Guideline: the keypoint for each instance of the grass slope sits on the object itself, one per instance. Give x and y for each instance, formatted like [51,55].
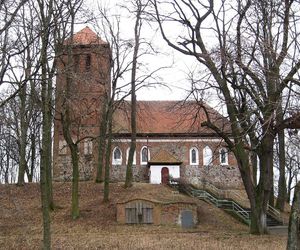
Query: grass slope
[21,224]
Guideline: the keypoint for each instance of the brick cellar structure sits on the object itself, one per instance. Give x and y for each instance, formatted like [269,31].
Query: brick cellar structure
[170,138]
[156,212]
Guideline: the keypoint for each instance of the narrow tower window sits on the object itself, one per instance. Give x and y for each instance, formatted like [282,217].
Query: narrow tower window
[88,62]
[76,62]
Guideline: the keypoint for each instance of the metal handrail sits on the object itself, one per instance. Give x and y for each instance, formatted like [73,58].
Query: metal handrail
[275,213]
[219,203]
[235,207]
[271,210]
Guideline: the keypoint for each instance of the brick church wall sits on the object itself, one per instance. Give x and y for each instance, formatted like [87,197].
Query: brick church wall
[90,82]
[222,176]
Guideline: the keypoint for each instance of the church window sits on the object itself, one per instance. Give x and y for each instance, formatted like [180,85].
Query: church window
[127,156]
[207,156]
[88,62]
[88,147]
[145,155]
[194,156]
[117,156]
[223,156]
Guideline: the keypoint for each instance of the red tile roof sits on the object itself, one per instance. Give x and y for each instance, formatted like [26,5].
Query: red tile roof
[168,117]
[86,37]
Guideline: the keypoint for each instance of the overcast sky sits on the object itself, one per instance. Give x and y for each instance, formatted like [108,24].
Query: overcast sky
[175,76]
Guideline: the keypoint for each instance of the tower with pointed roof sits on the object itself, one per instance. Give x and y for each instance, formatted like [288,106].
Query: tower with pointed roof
[85,60]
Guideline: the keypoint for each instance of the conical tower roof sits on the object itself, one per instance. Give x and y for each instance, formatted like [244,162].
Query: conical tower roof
[86,37]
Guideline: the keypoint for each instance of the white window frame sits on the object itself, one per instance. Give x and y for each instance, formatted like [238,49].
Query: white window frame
[62,147]
[141,156]
[116,161]
[226,156]
[87,147]
[127,156]
[206,161]
[197,156]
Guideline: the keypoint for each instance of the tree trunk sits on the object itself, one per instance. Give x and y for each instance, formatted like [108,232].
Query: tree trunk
[128,180]
[272,195]
[257,204]
[281,182]
[67,124]
[45,191]
[137,32]
[293,242]
[23,136]
[49,135]
[46,124]
[45,164]
[258,194]
[107,155]
[33,155]
[264,187]
[75,180]
[289,186]
[102,140]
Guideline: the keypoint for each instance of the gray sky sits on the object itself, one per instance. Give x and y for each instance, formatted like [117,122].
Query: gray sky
[175,77]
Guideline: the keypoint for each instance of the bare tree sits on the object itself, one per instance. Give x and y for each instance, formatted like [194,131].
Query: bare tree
[293,242]
[46,11]
[292,162]
[9,149]
[121,49]
[247,61]
[139,7]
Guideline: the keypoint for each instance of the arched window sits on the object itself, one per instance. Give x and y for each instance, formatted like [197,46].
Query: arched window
[117,156]
[134,156]
[88,62]
[194,156]
[87,147]
[223,156]
[207,156]
[145,155]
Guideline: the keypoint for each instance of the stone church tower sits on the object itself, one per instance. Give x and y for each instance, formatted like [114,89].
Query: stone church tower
[89,72]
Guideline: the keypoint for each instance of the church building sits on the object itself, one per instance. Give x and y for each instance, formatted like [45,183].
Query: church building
[170,139]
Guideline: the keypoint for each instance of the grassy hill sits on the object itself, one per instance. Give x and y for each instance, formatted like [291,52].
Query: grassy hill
[21,222]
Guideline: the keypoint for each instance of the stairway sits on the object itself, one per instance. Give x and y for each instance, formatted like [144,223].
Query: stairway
[230,206]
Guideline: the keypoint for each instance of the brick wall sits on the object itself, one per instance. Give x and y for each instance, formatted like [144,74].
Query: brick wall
[163,214]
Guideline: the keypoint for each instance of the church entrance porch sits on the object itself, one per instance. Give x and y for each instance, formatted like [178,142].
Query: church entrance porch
[163,166]
[159,174]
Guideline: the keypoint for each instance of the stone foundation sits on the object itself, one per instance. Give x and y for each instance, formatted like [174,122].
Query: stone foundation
[223,177]
[140,173]
[64,166]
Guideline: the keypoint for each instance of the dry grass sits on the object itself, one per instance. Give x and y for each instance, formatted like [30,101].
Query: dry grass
[21,225]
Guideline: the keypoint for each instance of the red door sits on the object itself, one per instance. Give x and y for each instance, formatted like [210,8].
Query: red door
[164,175]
